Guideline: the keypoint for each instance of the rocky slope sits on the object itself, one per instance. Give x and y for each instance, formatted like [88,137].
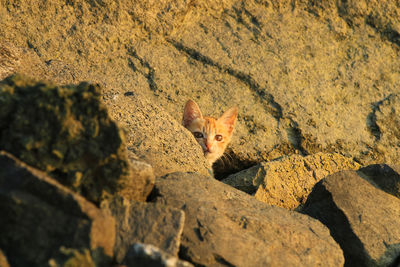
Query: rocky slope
[306,76]
[317,87]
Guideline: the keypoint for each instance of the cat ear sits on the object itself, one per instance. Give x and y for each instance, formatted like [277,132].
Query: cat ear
[229,118]
[191,112]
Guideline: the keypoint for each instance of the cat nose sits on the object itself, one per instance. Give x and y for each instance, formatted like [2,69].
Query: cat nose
[208,146]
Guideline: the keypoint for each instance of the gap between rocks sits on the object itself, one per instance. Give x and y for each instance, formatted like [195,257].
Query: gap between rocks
[345,235]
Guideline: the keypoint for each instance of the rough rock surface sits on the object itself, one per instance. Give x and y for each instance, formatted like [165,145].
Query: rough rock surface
[385,177]
[226,227]
[287,182]
[35,209]
[140,254]
[307,76]
[66,132]
[364,220]
[155,137]
[149,223]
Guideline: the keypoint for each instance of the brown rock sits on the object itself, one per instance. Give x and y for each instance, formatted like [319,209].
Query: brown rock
[40,216]
[226,227]
[142,177]
[288,181]
[364,220]
[149,223]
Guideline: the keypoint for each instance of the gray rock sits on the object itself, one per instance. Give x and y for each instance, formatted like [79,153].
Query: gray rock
[226,227]
[149,223]
[288,181]
[364,220]
[140,254]
[39,217]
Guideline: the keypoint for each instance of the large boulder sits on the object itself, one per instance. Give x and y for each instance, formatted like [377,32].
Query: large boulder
[226,227]
[149,223]
[288,181]
[307,77]
[66,132]
[363,219]
[41,219]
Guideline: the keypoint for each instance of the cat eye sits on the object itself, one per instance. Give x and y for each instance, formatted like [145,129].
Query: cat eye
[198,134]
[218,137]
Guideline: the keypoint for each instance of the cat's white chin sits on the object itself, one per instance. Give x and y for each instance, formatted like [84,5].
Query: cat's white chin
[211,157]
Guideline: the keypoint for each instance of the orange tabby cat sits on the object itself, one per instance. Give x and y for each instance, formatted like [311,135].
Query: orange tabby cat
[213,135]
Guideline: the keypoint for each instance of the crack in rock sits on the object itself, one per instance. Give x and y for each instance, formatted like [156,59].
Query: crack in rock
[145,69]
[271,107]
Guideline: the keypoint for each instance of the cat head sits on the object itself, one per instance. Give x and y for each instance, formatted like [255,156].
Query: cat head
[213,135]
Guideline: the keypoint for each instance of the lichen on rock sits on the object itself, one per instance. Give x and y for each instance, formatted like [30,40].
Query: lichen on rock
[66,132]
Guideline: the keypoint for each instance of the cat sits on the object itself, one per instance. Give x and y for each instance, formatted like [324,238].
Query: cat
[212,134]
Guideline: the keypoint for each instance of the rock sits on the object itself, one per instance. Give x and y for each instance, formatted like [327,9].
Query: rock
[226,227]
[288,181]
[149,223]
[156,138]
[270,59]
[66,132]
[150,256]
[39,216]
[142,177]
[247,180]
[364,220]
[385,177]
[3,260]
